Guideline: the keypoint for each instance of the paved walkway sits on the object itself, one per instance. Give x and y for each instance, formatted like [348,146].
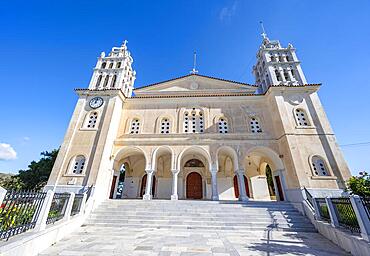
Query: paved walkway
[99,241]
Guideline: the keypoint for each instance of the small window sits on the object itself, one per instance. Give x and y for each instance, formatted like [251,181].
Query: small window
[106,81]
[165,126]
[278,77]
[319,167]
[92,119]
[287,58]
[98,81]
[118,64]
[301,117]
[114,81]
[111,65]
[255,125]
[78,164]
[286,75]
[103,65]
[135,126]
[223,126]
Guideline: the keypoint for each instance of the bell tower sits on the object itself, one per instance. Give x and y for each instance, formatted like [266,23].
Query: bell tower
[114,71]
[277,65]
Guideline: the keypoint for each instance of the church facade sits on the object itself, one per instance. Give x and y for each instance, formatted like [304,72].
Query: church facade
[200,137]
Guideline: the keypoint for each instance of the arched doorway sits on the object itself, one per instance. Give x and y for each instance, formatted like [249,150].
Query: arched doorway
[143,185]
[194,186]
[236,186]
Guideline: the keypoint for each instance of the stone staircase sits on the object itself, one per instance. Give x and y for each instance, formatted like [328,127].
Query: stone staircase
[184,227]
[200,215]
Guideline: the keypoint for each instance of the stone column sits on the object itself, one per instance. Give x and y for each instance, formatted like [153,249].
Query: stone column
[214,184]
[242,192]
[148,188]
[174,195]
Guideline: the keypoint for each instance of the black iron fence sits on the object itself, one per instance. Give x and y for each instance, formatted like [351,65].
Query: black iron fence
[345,213]
[58,207]
[323,209]
[19,212]
[77,202]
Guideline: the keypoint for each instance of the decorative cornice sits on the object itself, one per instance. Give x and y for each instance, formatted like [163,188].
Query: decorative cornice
[210,77]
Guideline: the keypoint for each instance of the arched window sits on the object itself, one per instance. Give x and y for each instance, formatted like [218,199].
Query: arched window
[287,57]
[301,117]
[98,81]
[277,74]
[114,81]
[194,163]
[135,126]
[319,166]
[118,64]
[255,125]
[106,81]
[186,122]
[111,65]
[165,125]
[77,164]
[92,119]
[286,75]
[223,126]
[193,121]
[103,65]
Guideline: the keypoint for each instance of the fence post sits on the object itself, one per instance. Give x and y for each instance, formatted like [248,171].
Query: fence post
[41,221]
[332,213]
[83,204]
[2,194]
[316,206]
[67,213]
[362,217]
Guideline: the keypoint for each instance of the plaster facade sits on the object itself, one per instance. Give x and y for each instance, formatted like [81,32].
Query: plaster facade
[261,141]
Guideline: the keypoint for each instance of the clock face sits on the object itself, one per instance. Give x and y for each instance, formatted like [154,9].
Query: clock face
[96,102]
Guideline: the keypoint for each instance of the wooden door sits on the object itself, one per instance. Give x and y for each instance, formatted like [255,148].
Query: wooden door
[236,186]
[113,186]
[143,185]
[194,186]
[280,188]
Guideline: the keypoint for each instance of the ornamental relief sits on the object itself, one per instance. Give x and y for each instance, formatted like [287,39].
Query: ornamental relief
[295,99]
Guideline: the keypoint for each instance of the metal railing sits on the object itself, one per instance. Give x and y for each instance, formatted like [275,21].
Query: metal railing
[58,207]
[366,203]
[309,197]
[345,213]
[19,212]
[323,209]
[77,202]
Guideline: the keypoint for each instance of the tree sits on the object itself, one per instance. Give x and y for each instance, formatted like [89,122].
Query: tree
[360,185]
[36,176]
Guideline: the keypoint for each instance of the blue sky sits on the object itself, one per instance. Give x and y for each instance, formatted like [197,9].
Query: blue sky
[48,48]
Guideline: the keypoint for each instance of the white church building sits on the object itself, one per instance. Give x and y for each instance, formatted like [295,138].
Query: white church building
[200,137]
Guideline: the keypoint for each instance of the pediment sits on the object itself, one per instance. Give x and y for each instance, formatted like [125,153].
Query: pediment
[195,84]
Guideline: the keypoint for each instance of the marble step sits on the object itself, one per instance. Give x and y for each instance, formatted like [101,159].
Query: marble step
[196,222]
[209,227]
[207,218]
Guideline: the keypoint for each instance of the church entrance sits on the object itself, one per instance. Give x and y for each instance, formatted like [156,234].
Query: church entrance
[194,186]
[236,186]
[143,185]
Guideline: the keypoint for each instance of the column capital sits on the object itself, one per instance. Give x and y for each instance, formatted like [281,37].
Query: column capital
[175,171]
[240,171]
[149,171]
